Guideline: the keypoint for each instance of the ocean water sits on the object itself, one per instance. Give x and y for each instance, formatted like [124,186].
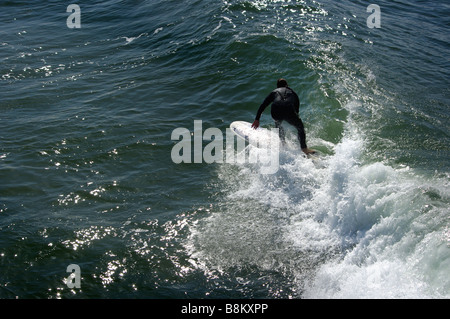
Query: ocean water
[87,177]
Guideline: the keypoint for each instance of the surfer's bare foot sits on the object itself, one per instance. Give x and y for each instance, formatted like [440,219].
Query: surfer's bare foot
[308,151]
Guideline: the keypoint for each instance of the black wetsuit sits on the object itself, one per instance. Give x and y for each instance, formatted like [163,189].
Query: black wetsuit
[285,107]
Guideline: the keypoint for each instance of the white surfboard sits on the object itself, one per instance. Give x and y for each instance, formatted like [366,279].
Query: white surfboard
[261,137]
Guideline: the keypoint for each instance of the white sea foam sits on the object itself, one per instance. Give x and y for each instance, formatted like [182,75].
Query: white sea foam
[344,229]
[388,229]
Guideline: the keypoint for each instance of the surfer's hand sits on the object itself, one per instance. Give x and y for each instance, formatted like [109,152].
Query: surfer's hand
[255,124]
[308,151]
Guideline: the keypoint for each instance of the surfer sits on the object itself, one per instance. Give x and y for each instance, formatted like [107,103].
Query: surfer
[285,107]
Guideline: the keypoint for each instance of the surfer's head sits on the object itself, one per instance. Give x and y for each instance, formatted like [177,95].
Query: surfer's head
[281,83]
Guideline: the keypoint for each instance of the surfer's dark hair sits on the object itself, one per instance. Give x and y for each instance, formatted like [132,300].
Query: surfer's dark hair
[281,83]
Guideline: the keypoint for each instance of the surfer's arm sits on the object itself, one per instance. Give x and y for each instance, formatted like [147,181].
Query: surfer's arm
[269,99]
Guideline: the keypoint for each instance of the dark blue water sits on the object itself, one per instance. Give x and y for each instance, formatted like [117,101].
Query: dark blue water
[87,177]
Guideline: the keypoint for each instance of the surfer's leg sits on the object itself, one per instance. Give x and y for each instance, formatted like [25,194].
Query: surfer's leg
[298,124]
[281,132]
